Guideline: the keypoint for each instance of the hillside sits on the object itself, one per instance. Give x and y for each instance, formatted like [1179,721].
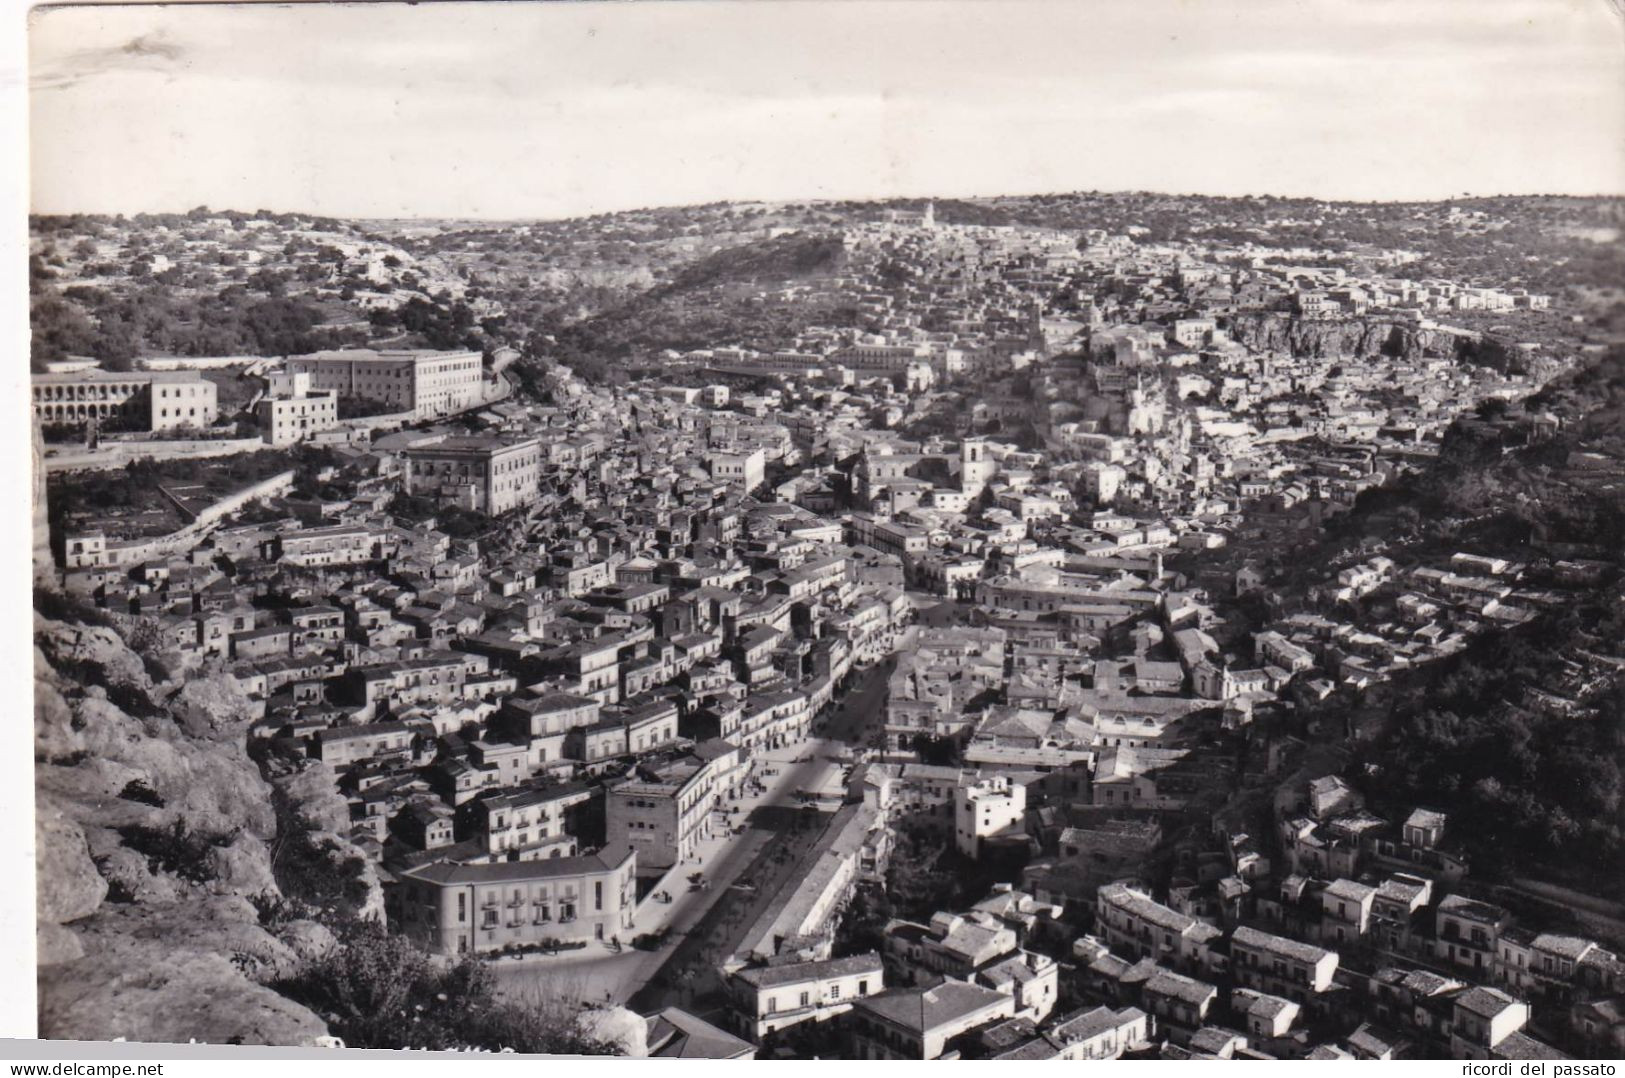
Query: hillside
[593,290]
[191,887]
[724,298]
[1514,733]
[223,284]
[154,839]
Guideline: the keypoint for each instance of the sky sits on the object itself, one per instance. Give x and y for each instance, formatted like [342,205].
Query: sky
[528,110]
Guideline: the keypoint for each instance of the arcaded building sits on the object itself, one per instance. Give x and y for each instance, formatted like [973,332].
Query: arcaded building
[155,400]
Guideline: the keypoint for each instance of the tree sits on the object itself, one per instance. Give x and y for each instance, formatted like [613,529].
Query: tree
[380,991]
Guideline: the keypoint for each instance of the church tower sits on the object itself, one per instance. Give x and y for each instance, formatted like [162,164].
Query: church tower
[929,220]
[976,468]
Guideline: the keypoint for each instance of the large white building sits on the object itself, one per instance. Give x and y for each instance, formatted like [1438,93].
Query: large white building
[748,470]
[290,412]
[421,382]
[457,909]
[985,809]
[485,474]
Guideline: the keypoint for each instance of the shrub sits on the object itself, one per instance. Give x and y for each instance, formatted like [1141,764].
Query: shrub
[380,991]
[174,849]
[310,874]
[138,791]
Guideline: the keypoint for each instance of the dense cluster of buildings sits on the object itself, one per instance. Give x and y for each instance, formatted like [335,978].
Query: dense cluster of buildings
[541,723]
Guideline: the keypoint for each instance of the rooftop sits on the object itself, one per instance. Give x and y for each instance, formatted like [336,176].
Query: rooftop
[450,875]
[774,976]
[1280,945]
[921,1010]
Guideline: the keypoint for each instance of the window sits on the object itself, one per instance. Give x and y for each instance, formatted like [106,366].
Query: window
[834,991]
[489,919]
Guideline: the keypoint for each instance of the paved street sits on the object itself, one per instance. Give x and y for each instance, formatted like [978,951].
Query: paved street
[598,971]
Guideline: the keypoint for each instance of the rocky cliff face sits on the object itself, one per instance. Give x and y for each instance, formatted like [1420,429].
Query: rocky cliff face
[1361,338]
[153,833]
[1349,338]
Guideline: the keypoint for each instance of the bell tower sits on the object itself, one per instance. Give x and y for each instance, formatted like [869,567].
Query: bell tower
[976,468]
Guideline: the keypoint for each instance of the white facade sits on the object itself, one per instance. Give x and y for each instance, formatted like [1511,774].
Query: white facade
[984,809]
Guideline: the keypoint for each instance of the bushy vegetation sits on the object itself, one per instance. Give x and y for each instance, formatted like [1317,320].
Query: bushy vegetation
[380,991]
[136,485]
[709,303]
[212,284]
[316,877]
[154,319]
[1542,793]
[138,791]
[176,850]
[451,520]
[782,258]
[926,874]
[446,324]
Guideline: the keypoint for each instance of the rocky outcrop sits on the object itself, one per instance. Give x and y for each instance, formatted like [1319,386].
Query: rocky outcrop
[1366,337]
[153,835]
[78,649]
[69,887]
[310,798]
[142,990]
[308,805]
[1342,338]
[213,709]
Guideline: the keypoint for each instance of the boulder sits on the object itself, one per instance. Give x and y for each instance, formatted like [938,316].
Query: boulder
[127,874]
[172,998]
[243,867]
[67,885]
[170,960]
[78,647]
[307,939]
[212,786]
[54,734]
[175,972]
[214,708]
[54,944]
[200,921]
[311,798]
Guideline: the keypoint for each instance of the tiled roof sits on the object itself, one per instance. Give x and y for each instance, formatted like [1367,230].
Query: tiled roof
[448,874]
[924,1009]
[773,976]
